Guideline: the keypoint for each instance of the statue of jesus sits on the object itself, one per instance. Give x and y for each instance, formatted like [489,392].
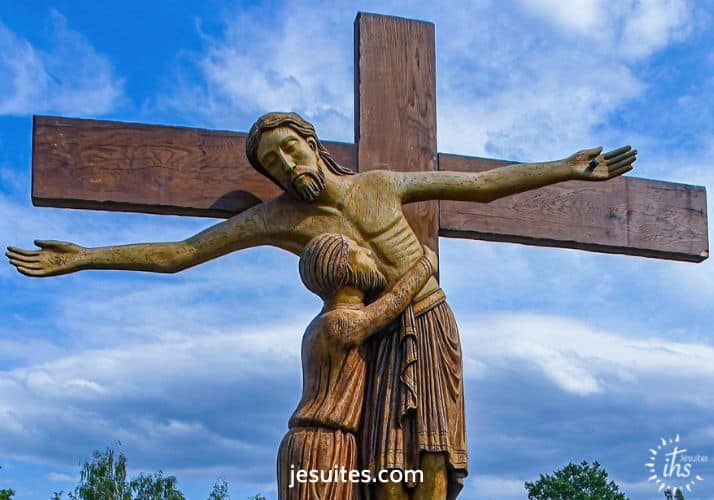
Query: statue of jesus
[414,413]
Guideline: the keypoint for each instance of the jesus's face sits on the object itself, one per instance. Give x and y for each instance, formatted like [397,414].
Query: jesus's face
[292,161]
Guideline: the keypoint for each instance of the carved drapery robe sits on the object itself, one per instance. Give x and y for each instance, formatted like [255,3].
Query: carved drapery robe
[415,397]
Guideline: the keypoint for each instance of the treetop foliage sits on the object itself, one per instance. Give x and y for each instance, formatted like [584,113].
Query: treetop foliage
[575,482]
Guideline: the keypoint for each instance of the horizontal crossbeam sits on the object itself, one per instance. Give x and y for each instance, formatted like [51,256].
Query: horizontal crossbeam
[104,165]
[625,215]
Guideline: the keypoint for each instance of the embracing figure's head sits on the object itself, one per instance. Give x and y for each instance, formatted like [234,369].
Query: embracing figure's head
[331,261]
[284,147]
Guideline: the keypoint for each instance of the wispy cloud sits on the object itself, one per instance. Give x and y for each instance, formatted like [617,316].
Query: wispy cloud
[269,59]
[583,360]
[508,86]
[71,77]
[631,28]
[131,393]
[518,88]
[60,477]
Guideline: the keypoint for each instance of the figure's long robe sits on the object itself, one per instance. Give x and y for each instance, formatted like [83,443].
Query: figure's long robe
[317,449]
[322,436]
[415,397]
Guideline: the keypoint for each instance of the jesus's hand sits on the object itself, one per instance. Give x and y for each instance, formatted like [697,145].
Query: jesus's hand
[592,165]
[53,258]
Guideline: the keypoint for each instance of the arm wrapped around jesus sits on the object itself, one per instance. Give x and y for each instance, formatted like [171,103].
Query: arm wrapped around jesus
[354,327]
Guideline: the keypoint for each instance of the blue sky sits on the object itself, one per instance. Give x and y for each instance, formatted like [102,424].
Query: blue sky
[568,355]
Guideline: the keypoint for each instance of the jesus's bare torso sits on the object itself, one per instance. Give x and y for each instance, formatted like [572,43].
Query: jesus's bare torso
[370,213]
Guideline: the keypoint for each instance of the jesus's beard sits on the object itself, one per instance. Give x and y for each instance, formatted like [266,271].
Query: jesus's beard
[311,184]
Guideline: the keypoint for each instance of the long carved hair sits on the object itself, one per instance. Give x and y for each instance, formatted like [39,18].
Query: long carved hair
[301,126]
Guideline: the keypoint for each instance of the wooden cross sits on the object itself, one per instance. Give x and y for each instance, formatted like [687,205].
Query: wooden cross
[187,171]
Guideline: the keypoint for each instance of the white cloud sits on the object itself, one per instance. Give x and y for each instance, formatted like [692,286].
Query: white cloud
[60,478]
[515,88]
[584,360]
[159,399]
[651,25]
[579,17]
[273,60]
[630,28]
[545,106]
[69,78]
[178,382]
[104,373]
[508,85]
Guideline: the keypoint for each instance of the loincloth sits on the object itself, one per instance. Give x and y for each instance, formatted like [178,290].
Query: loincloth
[414,401]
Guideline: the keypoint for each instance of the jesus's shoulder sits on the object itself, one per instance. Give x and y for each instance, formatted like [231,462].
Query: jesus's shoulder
[383,181]
[285,210]
[377,175]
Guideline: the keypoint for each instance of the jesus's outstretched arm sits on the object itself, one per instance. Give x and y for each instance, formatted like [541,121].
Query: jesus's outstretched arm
[589,164]
[247,229]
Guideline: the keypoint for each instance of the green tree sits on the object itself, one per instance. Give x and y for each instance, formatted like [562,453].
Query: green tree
[155,487]
[257,497]
[220,491]
[575,482]
[5,493]
[678,495]
[103,478]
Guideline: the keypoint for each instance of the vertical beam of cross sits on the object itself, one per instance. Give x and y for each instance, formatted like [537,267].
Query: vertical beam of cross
[395,105]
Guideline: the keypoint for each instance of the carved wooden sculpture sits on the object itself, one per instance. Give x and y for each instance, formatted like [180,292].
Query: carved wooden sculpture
[323,197]
[323,430]
[413,416]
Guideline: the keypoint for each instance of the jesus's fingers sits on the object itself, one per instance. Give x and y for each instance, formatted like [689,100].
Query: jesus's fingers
[620,171]
[25,265]
[23,258]
[31,272]
[22,251]
[615,159]
[18,263]
[592,153]
[621,163]
[616,152]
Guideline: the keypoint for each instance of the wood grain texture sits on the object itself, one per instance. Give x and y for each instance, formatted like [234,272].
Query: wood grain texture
[395,105]
[625,215]
[132,167]
[172,170]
